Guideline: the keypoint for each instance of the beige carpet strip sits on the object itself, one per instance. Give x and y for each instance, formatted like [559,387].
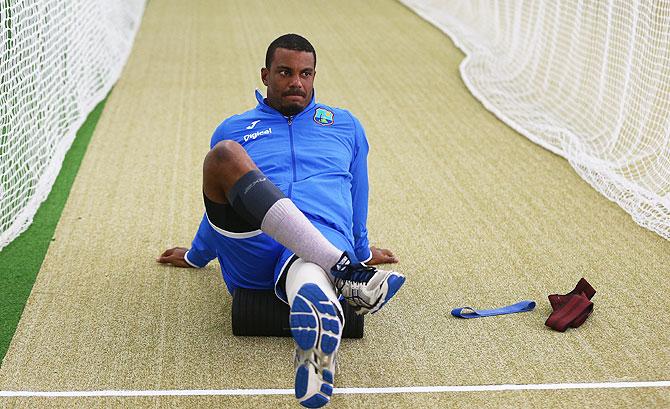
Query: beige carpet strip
[477,214]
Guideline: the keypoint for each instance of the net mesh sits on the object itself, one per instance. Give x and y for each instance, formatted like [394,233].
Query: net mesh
[588,80]
[58,59]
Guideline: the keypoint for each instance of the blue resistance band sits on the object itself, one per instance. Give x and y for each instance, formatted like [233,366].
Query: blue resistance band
[521,306]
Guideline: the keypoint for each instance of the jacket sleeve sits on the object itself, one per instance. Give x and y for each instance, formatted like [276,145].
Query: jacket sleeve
[359,193]
[203,247]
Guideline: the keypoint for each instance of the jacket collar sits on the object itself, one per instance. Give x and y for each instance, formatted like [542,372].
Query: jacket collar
[263,106]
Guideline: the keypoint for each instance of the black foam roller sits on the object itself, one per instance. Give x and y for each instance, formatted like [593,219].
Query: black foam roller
[261,313]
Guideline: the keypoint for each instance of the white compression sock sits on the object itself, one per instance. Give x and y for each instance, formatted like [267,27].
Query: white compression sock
[302,272]
[256,199]
[288,225]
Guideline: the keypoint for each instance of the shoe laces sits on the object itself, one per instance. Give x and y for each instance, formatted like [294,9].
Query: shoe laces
[355,279]
[313,358]
[345,271]
[359,273]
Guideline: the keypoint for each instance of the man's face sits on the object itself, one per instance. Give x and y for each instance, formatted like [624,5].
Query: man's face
[290,80]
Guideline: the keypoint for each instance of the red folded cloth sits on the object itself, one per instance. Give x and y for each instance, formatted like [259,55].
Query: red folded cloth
[571,309]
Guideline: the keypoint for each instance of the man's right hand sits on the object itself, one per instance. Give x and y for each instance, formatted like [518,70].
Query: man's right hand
[174,256]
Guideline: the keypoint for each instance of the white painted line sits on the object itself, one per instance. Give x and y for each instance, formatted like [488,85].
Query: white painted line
[402,389]
[169,392]
[495,388]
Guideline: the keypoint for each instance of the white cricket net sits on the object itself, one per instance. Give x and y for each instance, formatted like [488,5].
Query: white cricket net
[588,80]
[58,59]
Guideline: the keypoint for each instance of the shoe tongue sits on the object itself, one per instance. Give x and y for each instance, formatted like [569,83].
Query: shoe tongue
[344,260]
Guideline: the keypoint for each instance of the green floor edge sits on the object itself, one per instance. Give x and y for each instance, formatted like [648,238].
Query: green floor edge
[21,259]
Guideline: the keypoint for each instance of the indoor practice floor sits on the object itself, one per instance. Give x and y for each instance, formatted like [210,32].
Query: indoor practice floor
[477,214]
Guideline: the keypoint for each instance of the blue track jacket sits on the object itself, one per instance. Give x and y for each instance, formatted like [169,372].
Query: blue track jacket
[318,158]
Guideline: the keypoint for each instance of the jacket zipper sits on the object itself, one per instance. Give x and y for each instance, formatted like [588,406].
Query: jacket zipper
[290,133]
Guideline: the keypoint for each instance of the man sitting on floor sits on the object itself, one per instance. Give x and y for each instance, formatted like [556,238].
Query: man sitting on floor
[285,187]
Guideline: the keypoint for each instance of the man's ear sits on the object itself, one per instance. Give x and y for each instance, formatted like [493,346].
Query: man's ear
[264,75]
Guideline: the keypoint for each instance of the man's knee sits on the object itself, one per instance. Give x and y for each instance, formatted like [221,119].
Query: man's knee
[224,164]
[226,154]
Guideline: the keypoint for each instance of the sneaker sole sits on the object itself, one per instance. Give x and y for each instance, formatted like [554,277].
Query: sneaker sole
[394,282]
[314,325]
[317,400]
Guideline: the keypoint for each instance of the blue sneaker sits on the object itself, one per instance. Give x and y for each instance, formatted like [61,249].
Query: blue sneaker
[316,326]
[366,289]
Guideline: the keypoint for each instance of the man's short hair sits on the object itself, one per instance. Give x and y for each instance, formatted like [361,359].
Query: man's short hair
[290,42]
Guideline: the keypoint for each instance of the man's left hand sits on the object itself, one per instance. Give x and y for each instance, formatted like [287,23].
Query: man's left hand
[381,256]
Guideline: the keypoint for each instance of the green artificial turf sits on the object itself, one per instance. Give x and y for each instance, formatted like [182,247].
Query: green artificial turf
[21,259]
